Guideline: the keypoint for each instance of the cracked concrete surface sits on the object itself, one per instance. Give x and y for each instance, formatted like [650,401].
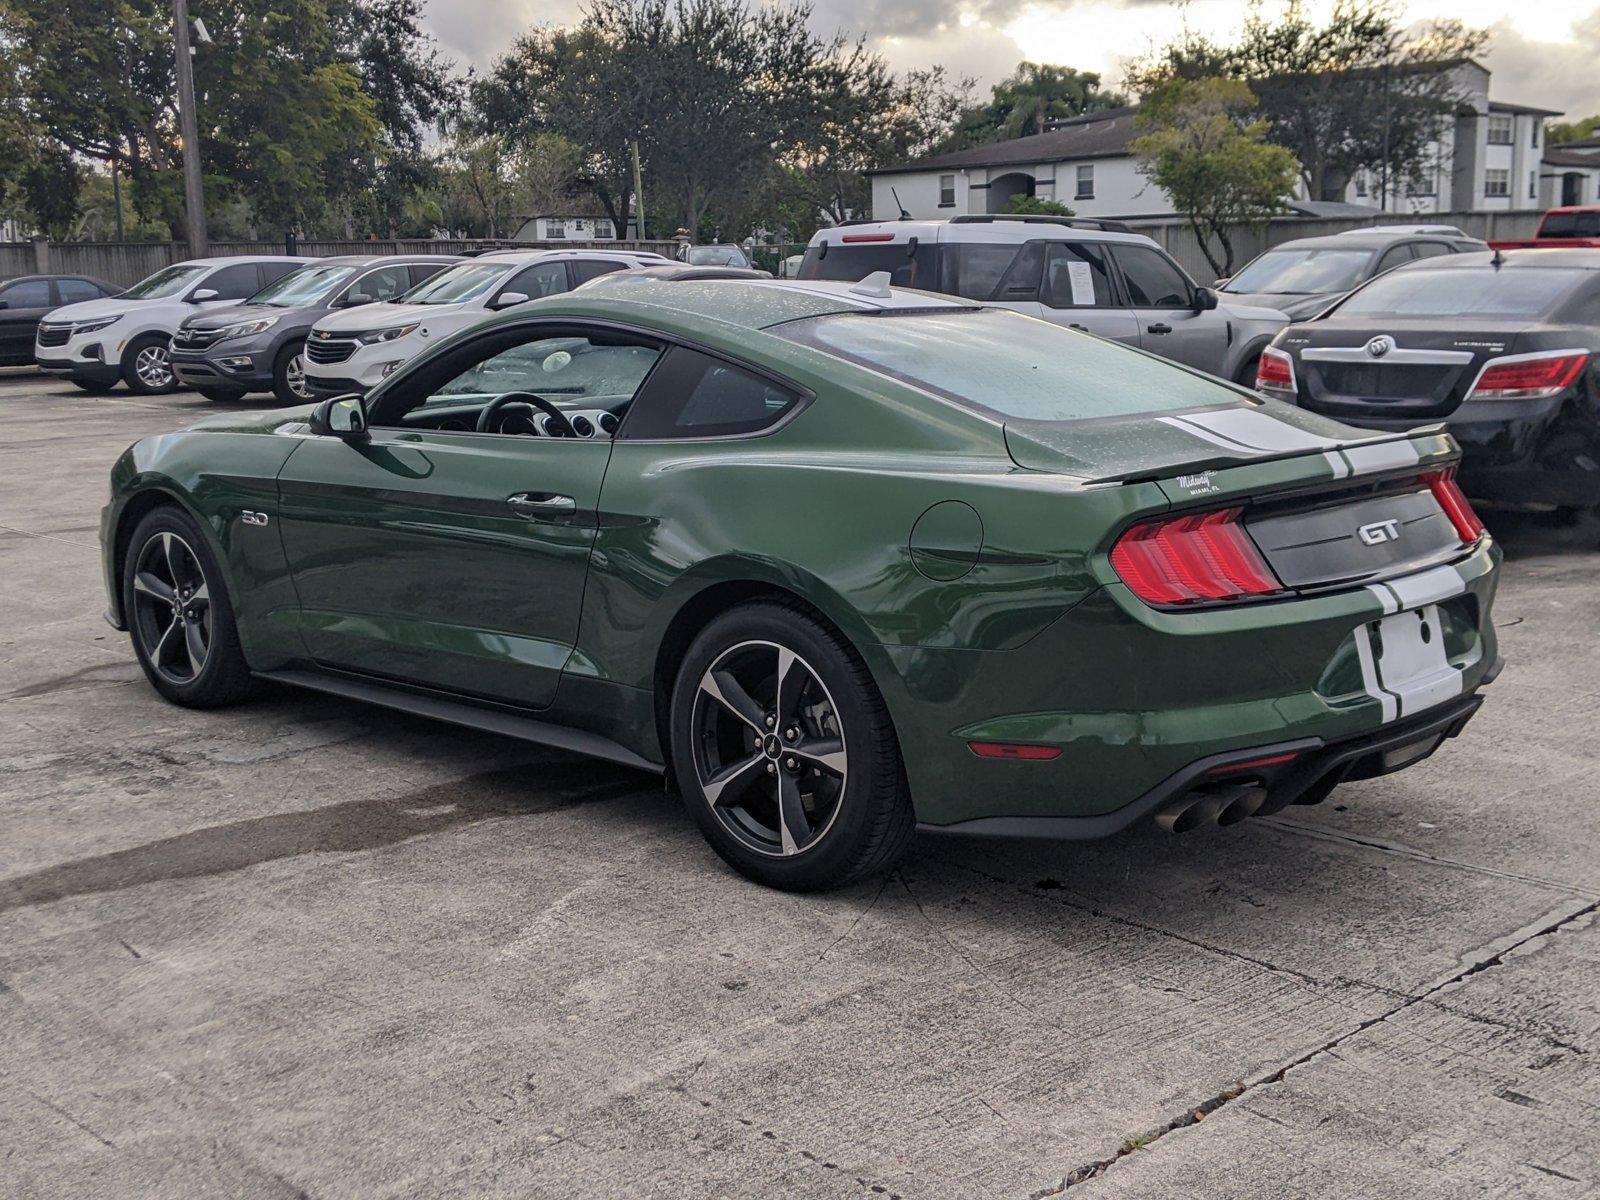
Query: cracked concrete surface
[309,949]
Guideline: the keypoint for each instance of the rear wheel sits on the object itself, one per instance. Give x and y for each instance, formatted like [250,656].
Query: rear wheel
[289,375]
[146,368]
[785,753]
[95,387]
[179,615]
[1247,371]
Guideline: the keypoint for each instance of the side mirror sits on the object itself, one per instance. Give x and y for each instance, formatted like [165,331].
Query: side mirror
[200,295]
[1204,299]
[355,298]
[343,417]
[1221,283]
[507,299]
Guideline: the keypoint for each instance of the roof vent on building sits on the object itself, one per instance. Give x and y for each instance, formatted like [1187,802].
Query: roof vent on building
[875,285]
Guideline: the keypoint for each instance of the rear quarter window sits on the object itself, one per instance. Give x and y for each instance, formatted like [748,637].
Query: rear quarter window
[913,266]
[695,395]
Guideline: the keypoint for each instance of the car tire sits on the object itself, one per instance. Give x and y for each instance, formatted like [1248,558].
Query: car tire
[175,603]
[1246,376]
[289,376]
[801,787]
[146,369]
[95,387]
[211,393]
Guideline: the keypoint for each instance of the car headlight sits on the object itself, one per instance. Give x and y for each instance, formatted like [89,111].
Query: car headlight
[373,336]
[93,326]
[246,328]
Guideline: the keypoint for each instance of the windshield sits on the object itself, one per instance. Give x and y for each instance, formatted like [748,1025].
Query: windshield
[1472,292]
[908,265]
[307,286]
[168,281]
[1010,365]
[457,285]
[1301,272]
[1571,225]
[717,256]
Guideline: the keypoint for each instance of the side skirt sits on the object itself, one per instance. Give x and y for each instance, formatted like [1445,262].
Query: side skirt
[473,716]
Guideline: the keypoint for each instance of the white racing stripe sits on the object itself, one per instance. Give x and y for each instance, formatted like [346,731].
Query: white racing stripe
[1384,456]
[1422,591]
[1258,431]
[1369,675]
[1206,436]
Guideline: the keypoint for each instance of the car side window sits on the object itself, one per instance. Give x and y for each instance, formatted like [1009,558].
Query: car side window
[694,395]
[75,291]
[33,293]
[585,269]
[1076,275]
[1393,257]
[383,284]
[976,270]
[543,279]
[271,272]
[1154,280]
[422,272]
[1430,249]
[233,283]
[570,368]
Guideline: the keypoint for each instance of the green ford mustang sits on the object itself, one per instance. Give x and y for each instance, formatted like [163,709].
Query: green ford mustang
[842,561]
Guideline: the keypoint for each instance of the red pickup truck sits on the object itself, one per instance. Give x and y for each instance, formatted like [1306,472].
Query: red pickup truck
[1574,225]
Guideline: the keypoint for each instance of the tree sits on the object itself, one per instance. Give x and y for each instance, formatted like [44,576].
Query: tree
[1032,95]
[1033,206]
[1360,92]
[1559,133]
[1200,147]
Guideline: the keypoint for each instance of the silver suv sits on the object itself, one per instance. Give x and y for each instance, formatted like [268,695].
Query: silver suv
[1085,274]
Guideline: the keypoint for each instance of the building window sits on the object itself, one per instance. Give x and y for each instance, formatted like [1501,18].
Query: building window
[1361,183]
[1423,185]
[1533,185]
[1534,126]
[604,229]
[555,227]
[1497,182]
[947,191]
[1500,129]
[1085,182]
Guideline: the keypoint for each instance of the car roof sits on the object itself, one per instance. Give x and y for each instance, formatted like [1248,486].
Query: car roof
[1525,260]
[1399,231]
[228,260]
[47,278]
[1365,239]
[763,303]
[383,260]
[997,229]
[532,255]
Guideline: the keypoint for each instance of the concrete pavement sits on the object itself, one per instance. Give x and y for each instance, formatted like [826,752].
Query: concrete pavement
[307,948]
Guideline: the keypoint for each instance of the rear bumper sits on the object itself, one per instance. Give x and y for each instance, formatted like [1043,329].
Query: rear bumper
[1316,765]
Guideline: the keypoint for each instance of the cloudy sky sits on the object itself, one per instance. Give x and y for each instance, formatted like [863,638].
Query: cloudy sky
[1543,54]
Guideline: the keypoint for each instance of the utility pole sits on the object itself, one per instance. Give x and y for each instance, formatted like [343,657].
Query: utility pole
[638,191]
[194,202]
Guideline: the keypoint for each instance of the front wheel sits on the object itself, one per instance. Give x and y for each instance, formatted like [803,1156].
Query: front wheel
[289,376]
[785,752]
[146,369]
[179,616]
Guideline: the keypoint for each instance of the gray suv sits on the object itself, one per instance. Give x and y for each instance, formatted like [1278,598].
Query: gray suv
[258,346]
[1085,274]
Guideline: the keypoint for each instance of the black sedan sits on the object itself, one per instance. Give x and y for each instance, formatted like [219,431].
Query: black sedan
[27,298]
[1498,347]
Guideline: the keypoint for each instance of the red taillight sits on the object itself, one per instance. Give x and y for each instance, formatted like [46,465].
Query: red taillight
[1275,371]
[1193,559]
[1017,751]
[1528,378]
[1254,764]
[1455,504]
[867,237]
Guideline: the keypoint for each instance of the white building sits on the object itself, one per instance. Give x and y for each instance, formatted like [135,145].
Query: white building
[1490,158]
[1571,173]
[561,226]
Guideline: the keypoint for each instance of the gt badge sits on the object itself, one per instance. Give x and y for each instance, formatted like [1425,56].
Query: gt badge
[1379,532]
[253,518]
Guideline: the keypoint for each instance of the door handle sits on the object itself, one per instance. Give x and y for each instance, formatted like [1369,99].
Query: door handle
[1079,328]
[541,504]
[1158,327]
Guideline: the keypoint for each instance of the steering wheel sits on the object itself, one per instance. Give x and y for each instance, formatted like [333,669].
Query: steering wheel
[559,425]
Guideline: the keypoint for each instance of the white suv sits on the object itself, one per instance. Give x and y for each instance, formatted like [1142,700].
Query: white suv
[355,349]
[1096,276]
[98,342]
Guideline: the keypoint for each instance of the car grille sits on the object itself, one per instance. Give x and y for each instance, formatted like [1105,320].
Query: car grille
[194,339]
[54,335]
[323,350]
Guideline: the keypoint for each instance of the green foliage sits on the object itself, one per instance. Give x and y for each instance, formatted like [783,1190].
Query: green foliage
[1033,206]
[1559,133]
[1354,93]
[1033,95]
[1200,146]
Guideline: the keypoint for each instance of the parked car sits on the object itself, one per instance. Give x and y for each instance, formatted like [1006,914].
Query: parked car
[352,351]
[841,558]
[721,254]
[1499,348]
[27,298]
[1569,227]
[1302,277]
[1077,273]
[258,346]
[128,338]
